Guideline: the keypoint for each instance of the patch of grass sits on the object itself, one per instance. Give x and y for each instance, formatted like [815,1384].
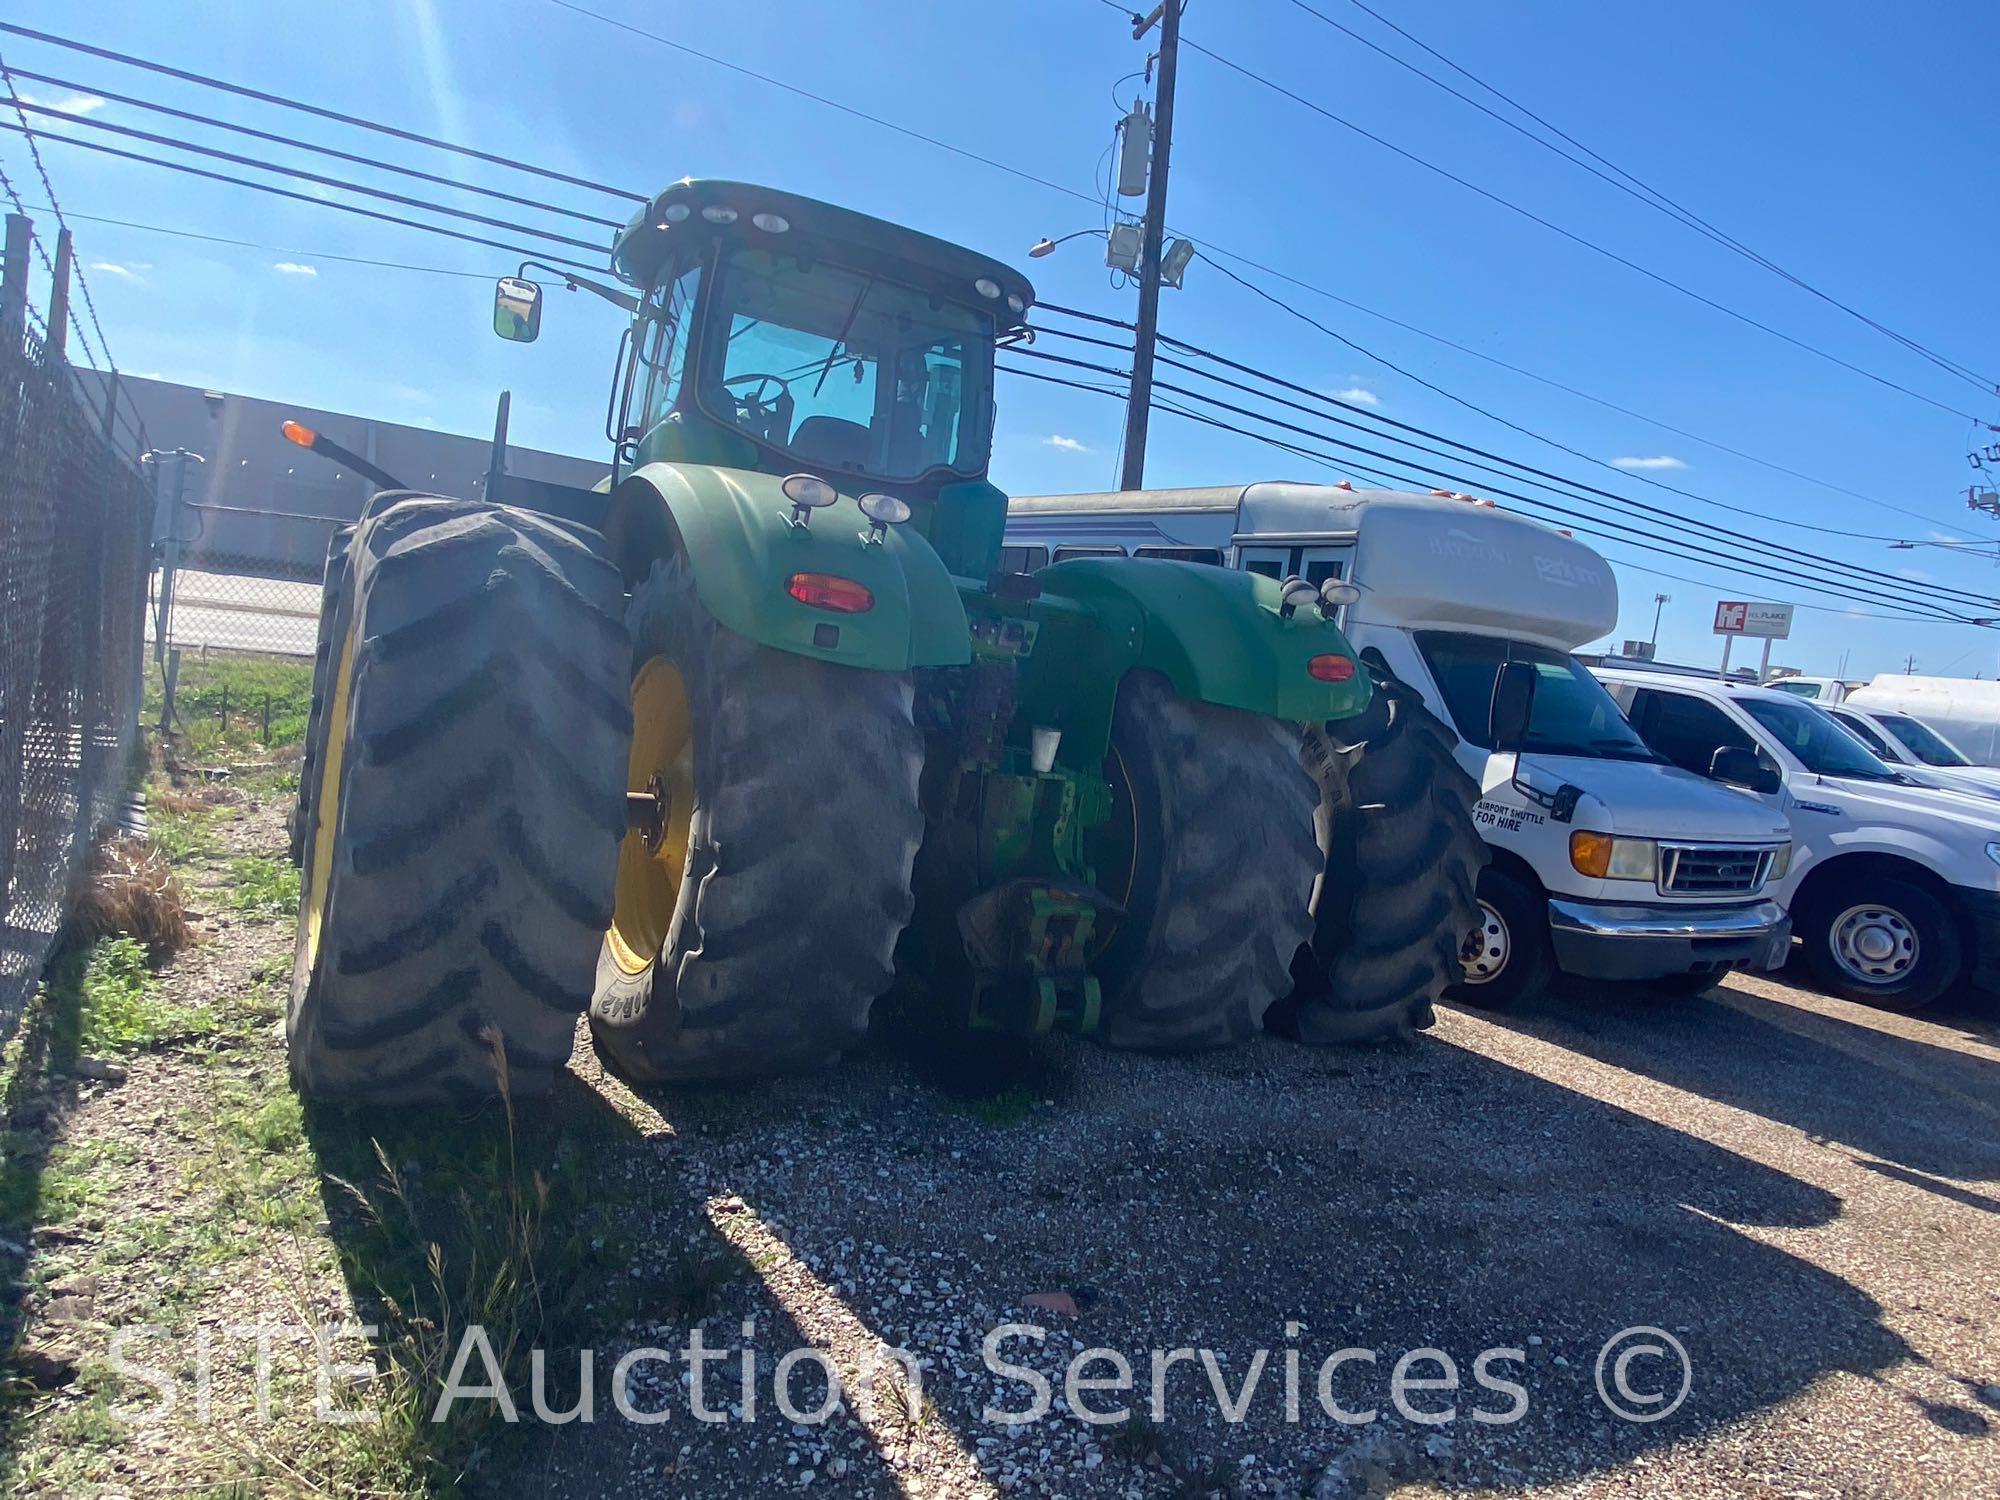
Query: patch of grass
[181,827]
[1009,1107]
[220,699]
[119,1011]
[264,887]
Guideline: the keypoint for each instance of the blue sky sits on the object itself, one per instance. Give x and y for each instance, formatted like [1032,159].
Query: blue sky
[1840,139]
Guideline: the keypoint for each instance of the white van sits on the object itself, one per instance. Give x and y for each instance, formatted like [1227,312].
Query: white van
[1606,861]
[1965,710]
[1894,888]
[1917,750]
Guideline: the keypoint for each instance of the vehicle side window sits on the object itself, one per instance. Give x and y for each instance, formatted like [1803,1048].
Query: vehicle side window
[1685,729]
[1862,730]
[1023,559]
[1209,555]
[667,344]
[1064,554]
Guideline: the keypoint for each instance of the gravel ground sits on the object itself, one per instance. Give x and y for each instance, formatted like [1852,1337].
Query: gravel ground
[1803,1193]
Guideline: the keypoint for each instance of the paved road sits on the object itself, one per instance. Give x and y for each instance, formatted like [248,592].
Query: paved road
[1803,1193]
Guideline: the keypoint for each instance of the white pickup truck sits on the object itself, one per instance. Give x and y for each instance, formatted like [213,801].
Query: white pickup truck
[1894,888]
[1607,861]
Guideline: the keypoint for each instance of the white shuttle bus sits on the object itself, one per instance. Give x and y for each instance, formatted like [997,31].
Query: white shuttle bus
[1607,861]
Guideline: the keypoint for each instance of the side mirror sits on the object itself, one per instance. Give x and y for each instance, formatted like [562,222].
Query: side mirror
[1741,766]
[517,310]
[1513,706]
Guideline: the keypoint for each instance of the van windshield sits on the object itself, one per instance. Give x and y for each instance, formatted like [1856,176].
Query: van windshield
[1573,714]
[1922,741]
[1817,739]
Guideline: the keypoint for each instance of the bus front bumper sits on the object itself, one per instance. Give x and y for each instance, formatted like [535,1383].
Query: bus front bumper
[1602,940]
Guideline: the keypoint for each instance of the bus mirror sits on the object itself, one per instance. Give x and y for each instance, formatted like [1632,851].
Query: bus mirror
[1513,707]
[517,309]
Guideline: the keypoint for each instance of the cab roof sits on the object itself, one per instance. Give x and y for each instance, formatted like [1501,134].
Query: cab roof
[685,210]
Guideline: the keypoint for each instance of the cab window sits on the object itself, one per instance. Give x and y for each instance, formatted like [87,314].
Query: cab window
[666,343]
[1685,729]
[1023,559]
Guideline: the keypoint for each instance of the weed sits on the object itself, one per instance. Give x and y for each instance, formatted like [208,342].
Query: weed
[219,703]
[119,1012]
[131,888]
[182,829]
[264,887]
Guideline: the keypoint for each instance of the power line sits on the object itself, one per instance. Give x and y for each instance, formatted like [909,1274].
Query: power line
[1539,437]
[1555,228]
[1571,488]
[216,153]
[275,191]
[1619,178]
[313,109]
[285,140]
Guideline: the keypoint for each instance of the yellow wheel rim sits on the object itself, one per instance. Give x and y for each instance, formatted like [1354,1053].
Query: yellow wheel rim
[649,877]
[326,805]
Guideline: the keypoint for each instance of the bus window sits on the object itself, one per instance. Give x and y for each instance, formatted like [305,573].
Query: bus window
[1064,554]
[1210,555]
[1023,559]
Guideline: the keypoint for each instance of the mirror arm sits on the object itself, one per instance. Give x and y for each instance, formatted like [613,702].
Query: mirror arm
[574,282]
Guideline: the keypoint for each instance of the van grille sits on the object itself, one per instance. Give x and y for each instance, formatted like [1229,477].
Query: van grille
[1712,869]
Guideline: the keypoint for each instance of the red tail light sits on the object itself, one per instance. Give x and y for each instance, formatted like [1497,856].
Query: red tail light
[1331,667]
[826,591]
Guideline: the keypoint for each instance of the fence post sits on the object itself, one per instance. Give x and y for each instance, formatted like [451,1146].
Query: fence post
[14,279]
[170,556]
[58,333]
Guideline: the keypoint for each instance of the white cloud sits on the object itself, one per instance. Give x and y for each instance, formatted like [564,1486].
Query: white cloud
[1660,461]
[294,268]
[1067,444]
[124,270]
[1360,395]
[69,104]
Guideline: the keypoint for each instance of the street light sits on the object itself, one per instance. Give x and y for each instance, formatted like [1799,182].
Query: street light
[1046,246]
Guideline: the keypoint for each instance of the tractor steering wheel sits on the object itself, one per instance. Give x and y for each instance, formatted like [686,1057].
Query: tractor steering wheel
[770,418]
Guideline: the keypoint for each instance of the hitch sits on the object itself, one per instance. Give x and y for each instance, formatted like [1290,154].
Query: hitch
[1026,940]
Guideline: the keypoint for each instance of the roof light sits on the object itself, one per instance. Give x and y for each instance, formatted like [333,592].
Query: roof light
[829,591]
[882,511]
[987,287]
[718,213]
[673,213]
[298,432]
[1345,484]
[1331,666]
[771,223]
[807,490]
[1015,304]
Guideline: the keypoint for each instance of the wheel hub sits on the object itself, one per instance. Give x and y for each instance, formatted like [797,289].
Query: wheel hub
[659,809]
[1874,944]
[1485,949]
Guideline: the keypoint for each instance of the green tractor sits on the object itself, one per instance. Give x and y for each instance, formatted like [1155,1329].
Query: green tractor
[755,733]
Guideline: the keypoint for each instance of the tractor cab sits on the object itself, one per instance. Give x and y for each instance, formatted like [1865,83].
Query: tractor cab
[779,334]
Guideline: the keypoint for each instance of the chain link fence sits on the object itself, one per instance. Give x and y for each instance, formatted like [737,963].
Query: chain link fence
[75,541]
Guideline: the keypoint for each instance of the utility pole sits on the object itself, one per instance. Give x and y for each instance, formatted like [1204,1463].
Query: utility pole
[1139,406]
[1660,602]
[1910,665]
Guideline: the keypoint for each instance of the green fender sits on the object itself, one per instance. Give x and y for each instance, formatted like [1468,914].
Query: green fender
[734,527]
[1215,633]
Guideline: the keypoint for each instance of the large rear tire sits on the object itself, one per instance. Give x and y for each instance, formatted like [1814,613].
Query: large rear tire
[755,932]
[1216,816]
[467,808]
[1395,900]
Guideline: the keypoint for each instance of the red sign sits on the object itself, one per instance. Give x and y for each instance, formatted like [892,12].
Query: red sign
[1731,617]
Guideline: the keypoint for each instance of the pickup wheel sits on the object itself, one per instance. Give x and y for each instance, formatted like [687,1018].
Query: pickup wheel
[1882,941]
[1506,956]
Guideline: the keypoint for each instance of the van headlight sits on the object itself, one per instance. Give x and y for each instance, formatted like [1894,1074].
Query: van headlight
[1603,857]
[1781,861]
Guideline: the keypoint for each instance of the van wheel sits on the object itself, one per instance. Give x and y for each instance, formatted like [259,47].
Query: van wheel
[1882,941]
[1506,955]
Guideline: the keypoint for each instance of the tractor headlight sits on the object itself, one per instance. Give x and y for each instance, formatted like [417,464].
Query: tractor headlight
[1603,857]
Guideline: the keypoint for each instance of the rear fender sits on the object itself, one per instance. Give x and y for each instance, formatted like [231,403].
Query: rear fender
[732,526]
[1216,634]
